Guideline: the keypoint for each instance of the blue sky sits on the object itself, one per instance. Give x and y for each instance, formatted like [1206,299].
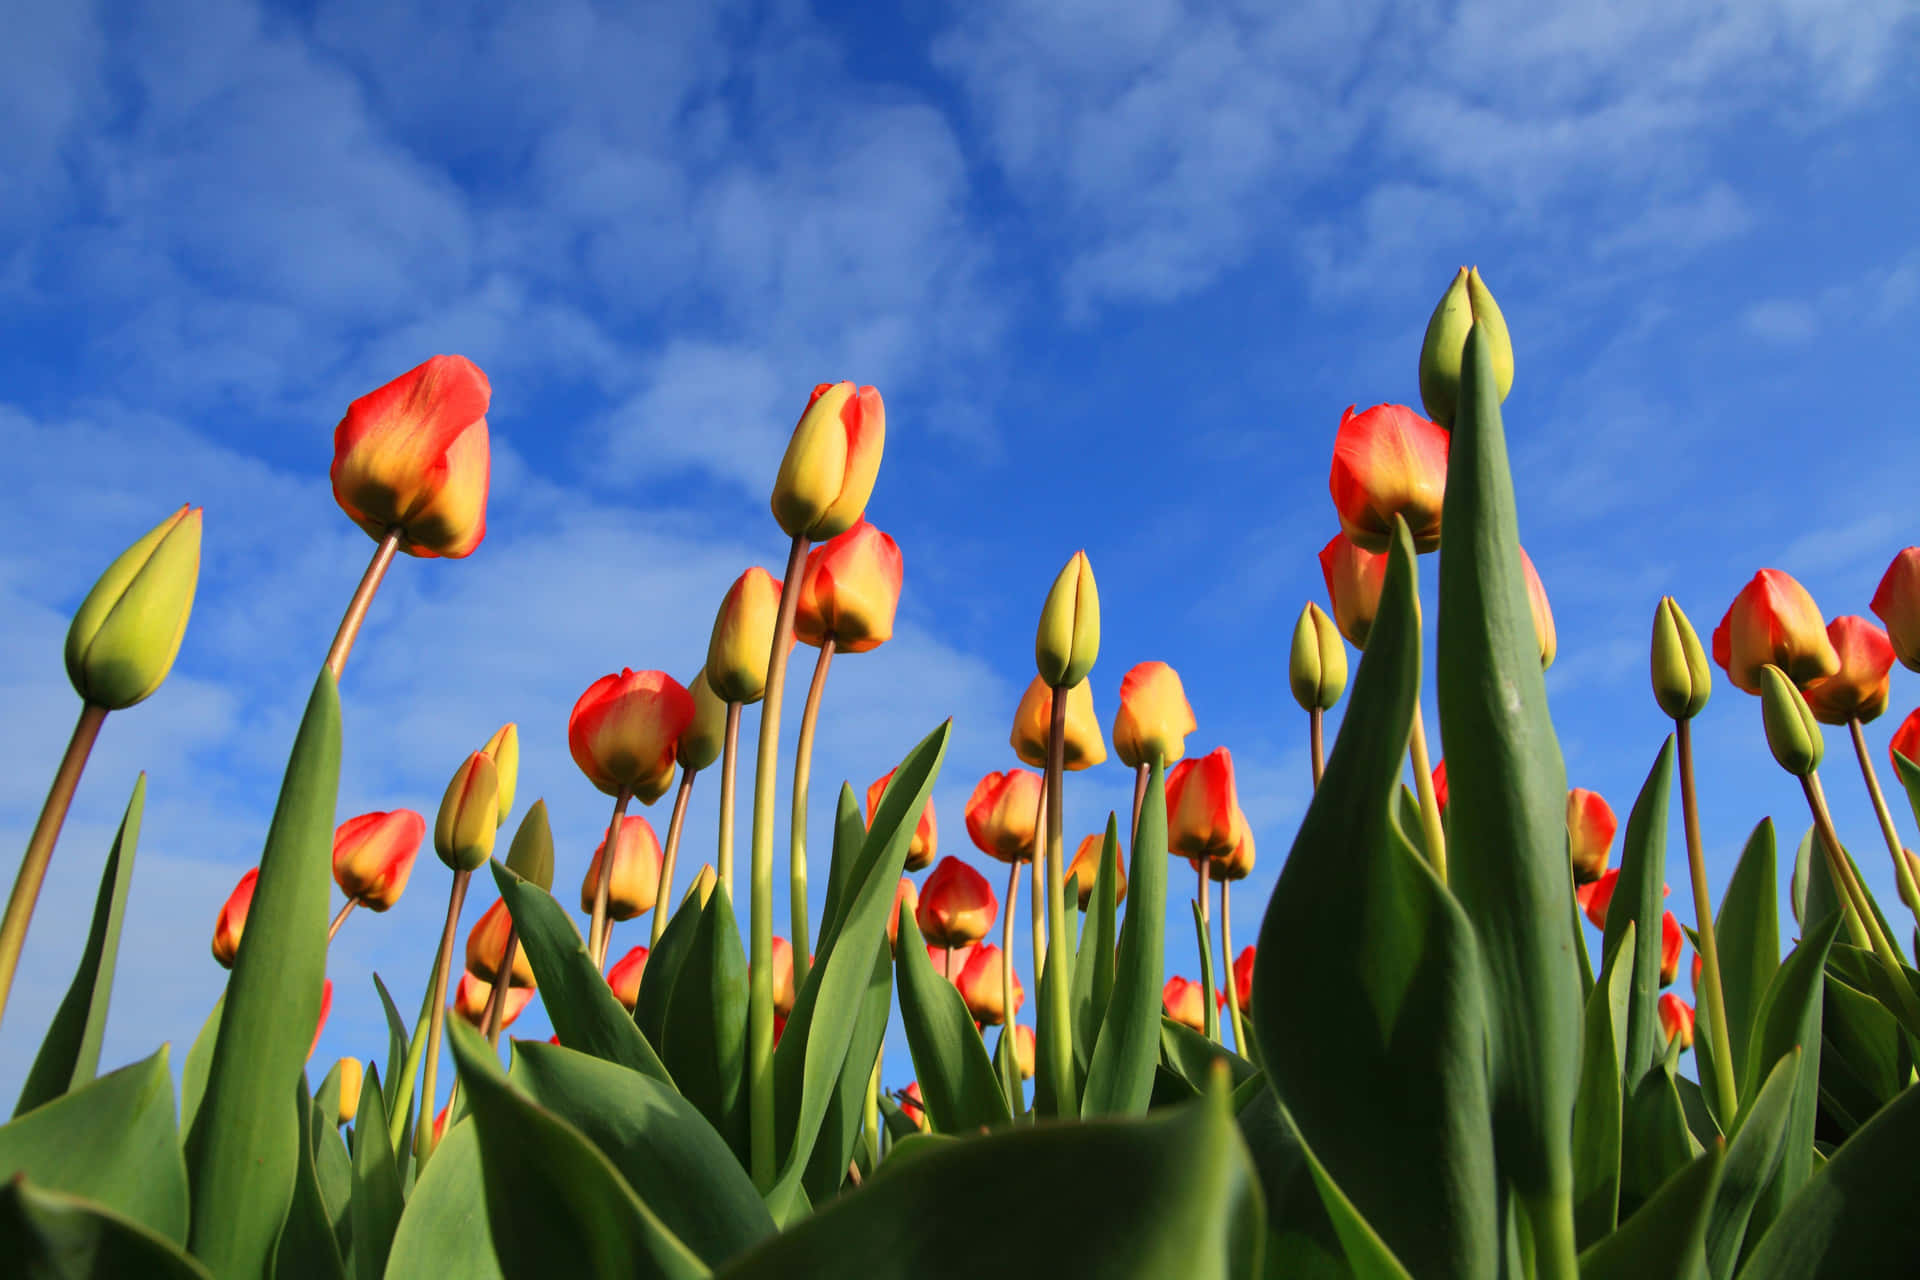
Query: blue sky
[1117,269]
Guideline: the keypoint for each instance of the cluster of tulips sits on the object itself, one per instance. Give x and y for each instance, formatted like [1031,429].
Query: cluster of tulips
[1429,1077]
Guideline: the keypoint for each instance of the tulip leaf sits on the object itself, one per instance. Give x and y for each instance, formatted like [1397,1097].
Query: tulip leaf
[1655,1142]
[704,1045]
[1209,1009]
[957,1079]
[1598,1104]
[1582,960]
[1301,1239]
[833,1150]
[244,1149]
[48,1235]
[333,1166]
[1863,1054]
[1127,1053]
[1408,1087]
[377,1203]
[1507,812]
[1747,928]
[307,1248]
[443,1229]
[1638,898]
[585,1013]
[397,1040]
[326,1100]
[664,963]
[193,1075]
[1666,1239]
[1752,1157]
[665,1149]
[1093,963]
[1365,1251]
[1190,1055]
[70,1054]
[1045,1101]
[849,832]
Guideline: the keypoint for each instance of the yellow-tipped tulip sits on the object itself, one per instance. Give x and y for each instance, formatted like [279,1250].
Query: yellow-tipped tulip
[350,1076]
[1154,717]
[503,748]
[1317,670]
[1682,677]
[1032,722]
[530,856]
[743,637]
[1068,641]
[127,631]
[1466,300]
[831,462]
[1543,630]
[1086,865]
[469,815]
[701,744]
[703,884]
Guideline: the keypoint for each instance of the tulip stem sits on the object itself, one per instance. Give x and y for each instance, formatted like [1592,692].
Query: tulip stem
[436,1016]
[1209,1011]
[797,804]
[341,918]
[1712,993]
[598,930]
[1139,798]
[1430,824]
[1902,870]
[362,599]
[946,963]
[1850,886]
[760,962]
[730,753]
[870,1112]
[1057,1052]
[1010,1073]
[502,979]
[662,901]
[1233,980]
[46,832]
[1317,741]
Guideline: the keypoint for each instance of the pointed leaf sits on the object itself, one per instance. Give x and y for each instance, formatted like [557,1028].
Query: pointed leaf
[664,963]
[377,1202]
[1748,931]
[443,1229]
[1655,1143]
[705,1042]
[1191,1056]
[193,1075]
[1093,964]
[1301,1238]
[306,1248]
[957,1080]
[396,1047]
[1752,1157]
[1120,1072]
[849,833]
[834,1149]
[1665,1240]
[1638,899]
[1598,1105]
[47,1235]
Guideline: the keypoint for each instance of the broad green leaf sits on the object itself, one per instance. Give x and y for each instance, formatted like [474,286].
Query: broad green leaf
[333,1166]
[957,1079]
[704,1045]
[1701,1122]
[396,1047]
[193,1076]
[1301,1239]
[443,1229]
[306,1248]
[1752,1157]
[1407,1088]
[1666,1239]
[1093,964]
[1863,1058]
[1655,1142]
[1045,1105]
[47,1235]
[664,963]
[70,1053]
[244,1149]
[1582,960]
[1365,1251]
[326,1099]
[1190,1055]
[834,1149]
[1120,1072]
[849,833]
[377,1202]
[1638,899]
[1406,814]
[1598,1104]
[1747,928]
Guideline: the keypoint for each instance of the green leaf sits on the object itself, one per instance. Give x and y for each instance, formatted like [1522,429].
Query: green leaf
[1365,1251]
[1408,1087]
[70,1054]
[704,1045]
[1093,963]
[1045,1103]
[1120,1072]
[193,1076]
[244,1148]
[849,833]
[1301,1239]
[377,1203]
[1863,1058]
[1748,931]
[957,1079]
[45,1235]
[1210,1012]
[1655,1142]
[333,1167]
[834,1149]
[397,1040]
[1752,1157]
[1666,1239]
[1507,809]
[443,1230]
[1598,1104]
[1190,1055]
[1582,960]
[306,1248]
[664,963]
[1638,899]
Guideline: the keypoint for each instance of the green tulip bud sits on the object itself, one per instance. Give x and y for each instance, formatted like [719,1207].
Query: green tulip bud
[1682,679]
[701,744]
[503,748]
[1792,732]
[531,855]
[469,815]
[127,631]
[1069,636]
[1318,668]
[1465,301]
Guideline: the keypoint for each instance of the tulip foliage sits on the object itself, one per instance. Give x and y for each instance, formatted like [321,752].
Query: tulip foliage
[1429,1073]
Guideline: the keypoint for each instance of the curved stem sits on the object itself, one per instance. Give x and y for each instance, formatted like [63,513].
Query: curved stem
[1317,742]
[1209,1011]
[663,896]
[423,1140]
[598,930]
[1233,980]
[797,805]
[502,979]
[1712,993]
[1010,1073]
[1430,824]
[1850,885]
[362,598]
[46,832]
[1056,1054]
[341,918]
[1036,864]
[1902,870]
[729,756]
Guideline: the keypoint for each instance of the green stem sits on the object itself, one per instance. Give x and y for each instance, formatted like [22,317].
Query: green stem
[502,980]
[1712,993]
[802,774]
[1057,1052]
[436,1017]
[1233,983]
[729,755]
[1431,826]
[1317,742]
[1902,871]
[1139,798]
[1550,1218]
[357,607]
[1209,1011]
[662,898]
[599,931]
[1010,1071]
[1850,885]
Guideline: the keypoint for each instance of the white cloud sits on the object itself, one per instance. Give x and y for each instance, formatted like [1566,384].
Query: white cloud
[1780,320]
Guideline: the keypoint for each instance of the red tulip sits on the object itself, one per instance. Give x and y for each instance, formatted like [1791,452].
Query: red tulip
[1154,717]
[1002,814]
[911,1106]
[926,836]
[905,892]
[1354,581]
[1243,977]
[1389,461]
[471,997]
[1676,1019]
[440,1121]
[487,941]
[1182,1001]
[1590,828]
[1203,808]
[373,856]
[1440,785]
[1897,603]
[412,456]
[782,976]
[850,590]
[1698,965]
[742,639]
[1671,940]
[624,729]
[1858,691]
[635,881]
[1905,741]
[326,1007]
[957,906]
[232,920]
[624,977]
[979,985]
[1595,898]
[950,965]
[831,462]
[1773,621]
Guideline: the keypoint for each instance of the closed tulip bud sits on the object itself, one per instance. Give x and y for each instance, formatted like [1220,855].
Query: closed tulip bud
[1002,814]
[906,894]
[1387,462]
[1023,1049]
[1897,603]
[926,835]
[127,632]
[232,920]
[706,737]
[469,815]
[1203,807]
[503,748]
[1086,862]
[326,1007]
[1676,1020]
[850,590]
[742,638]
[957,906]
[1184,1002]
[911,1106]
[624,730]
[1793,735]
[413,456]
[1154,717]
[1859,690]
[1590,827]
[831,462]
[1317,667]
[1542,612]
[624,977]
[1681,677]
[635,880]
[1672,938]
[487,942]
[373,856]
[1773,622]
[703,884]
[1032,722]
[1354,580]
[1465,302]
[530,856]
[471,997]
[1068,641]
[350,1076]
[1243,977]
[979,985]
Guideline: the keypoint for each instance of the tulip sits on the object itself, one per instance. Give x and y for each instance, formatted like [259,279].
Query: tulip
[469,815]
[373,856]
[957,907]
[127,632]
[232,920]
[1032,721]
[634,879]
[782,976]
[1236,865]
[1773,621]
[850,590]
[471,997]
[1086,865]
[1068,640]
[1681,677]
[503,748]
[1154,717]
[624,730]
[1542,612]
[1676,1019]
[1440,784]
[699,746]
[326,1007]
[1906,741]
[624,977]
[926,835]
[1203,810]
[1465,302]
[1896,602]
[410,460]
[1243,977]
[486,942]
[1388,461]
[1354,579]
[1590,828]
[703,884]
[1002,814]
[911,1106]
[979,985]
[1317,664]
[1023,1049]
[831,462]
[742,640]
[906,894]
[1859,690]
[1595,898]
[1793,735]
[440,1120]
[350,1077]
[949,963]
[1185,1002]
[1671,940]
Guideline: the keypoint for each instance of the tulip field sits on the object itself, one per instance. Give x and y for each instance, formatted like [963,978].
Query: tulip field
[1481,1027]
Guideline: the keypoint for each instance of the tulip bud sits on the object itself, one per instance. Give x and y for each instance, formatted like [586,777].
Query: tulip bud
[503,748]
[957,907]
[703,884]
[1355,578]
[530,856]
[1086,862]
[706,737]
[1793,734]
[1184,1002]
[1465,301]
[1068,640]
[625,976]
[1773,621]
[1203,807]
[487,941]
[831,462]
[1542,612]
[1897,603]
[1154,717]
[1317,668]
[373,856]
[1676,1019]
[926,834]
[469,815]
[635,879]
[906,894]
[1002,814]
[471,997]
[413,456]
[850,590]
[1859,690]
[127,632]
[1681,677]
[737,654]
[1023,1049]
[1032,723]
[1590,827]
[1387,462]
[232,920]
[1243,977]
[1671,941]
[350,1075]
[979,986]
[624,730]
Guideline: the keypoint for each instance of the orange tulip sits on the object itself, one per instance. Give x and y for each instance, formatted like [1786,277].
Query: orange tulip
[1237,865]
[782,976]
[831,462]
[850,590]
[373,856]
[1086,861]
[1897,603]
[625,976]
[1773,621]
[413,457]
[1676,1019]
[440,1121]
[979,984]
[232,920]
[1354,582]
[1023,1049]
[1595,898]
[742,639]
[1590,828]
[1859,690]
[957,906]
[1698,965]
[472,995]
[1001,812]
[1203,808]
[1243,977]
[1671,940]
[1905,741]
[926,836]
[1542,612]
[911,1106]
[487,940]
[1182,1001]
[1032,722]
[635,881]
[1154,717]
[624,729]
[326,1007]
[905,892]
[1389,461]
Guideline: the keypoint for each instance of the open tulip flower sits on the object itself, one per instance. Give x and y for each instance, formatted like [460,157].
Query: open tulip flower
[471,997]
[624,977]
[1354,578]
[1032,721]
[1389,461]
[624,730]
[1773,621]
[1086,865]
[850,590]
[979,984]
[487,943]
[957,906]
[1203,809]
[1154,717]
[1676,1019]
[232,920]
[411,458]
[1590,827]
[1001,814]
[1185,1002]
[926,836]
[1896,602]
[635,877]
[1859,689]
[373,856]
